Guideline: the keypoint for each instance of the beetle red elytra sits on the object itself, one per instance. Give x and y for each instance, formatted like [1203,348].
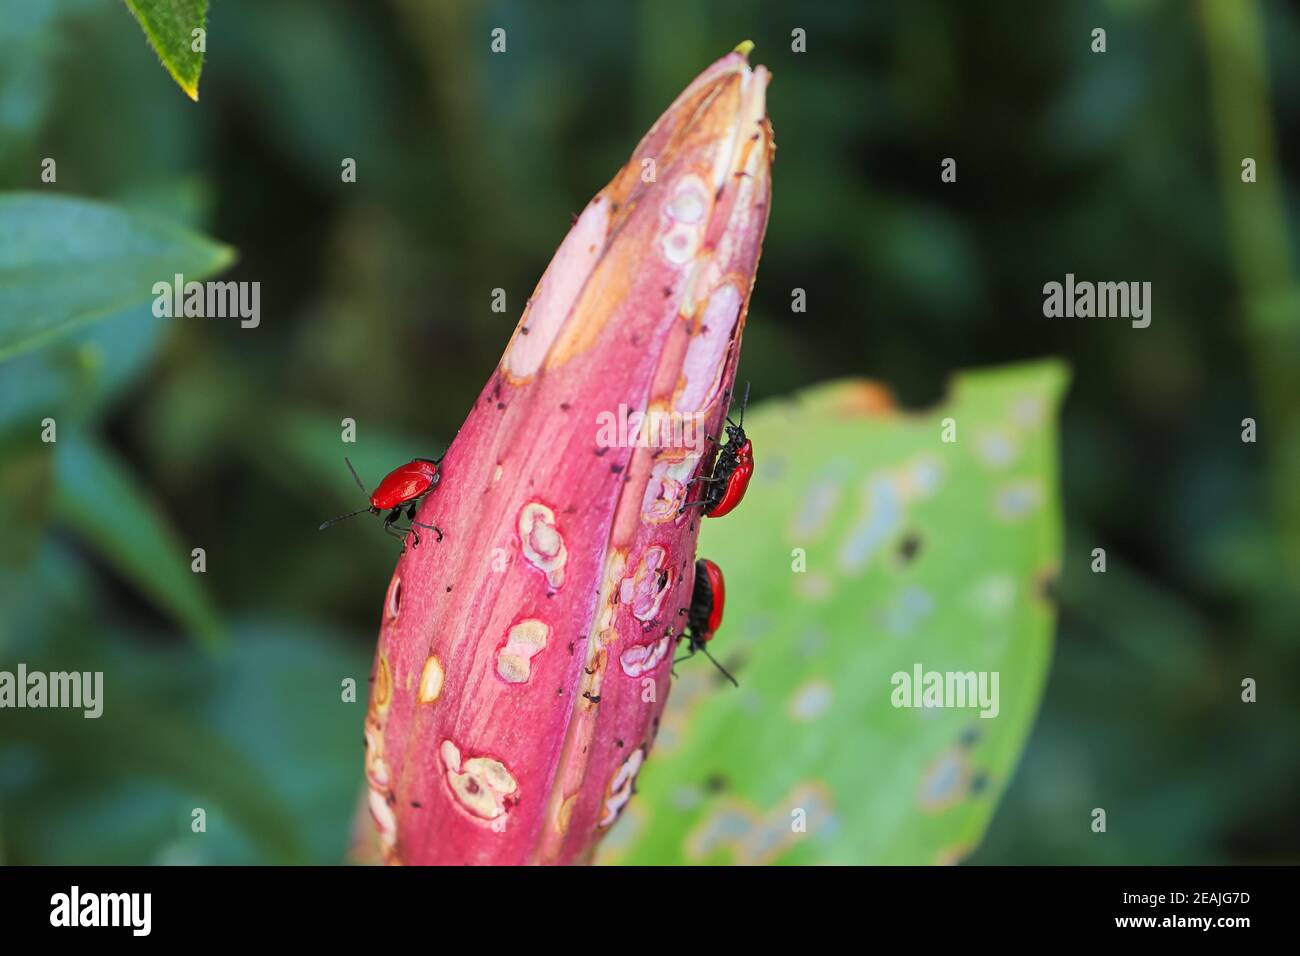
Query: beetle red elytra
[704,616]
[402,489]
[728,479]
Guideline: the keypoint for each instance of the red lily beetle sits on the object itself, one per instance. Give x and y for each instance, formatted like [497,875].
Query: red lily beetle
[402,489]
[704,616]
[732,468]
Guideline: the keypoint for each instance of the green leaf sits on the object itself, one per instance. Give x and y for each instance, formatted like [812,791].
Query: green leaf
[259,736]
[25,472]
[29,51]
[170,26]
[65,261]
[98,496]
[917,551]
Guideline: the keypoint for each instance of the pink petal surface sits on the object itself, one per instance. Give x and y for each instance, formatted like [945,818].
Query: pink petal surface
[523,662]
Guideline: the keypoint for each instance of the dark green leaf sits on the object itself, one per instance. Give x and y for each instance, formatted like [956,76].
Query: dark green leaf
[170,26]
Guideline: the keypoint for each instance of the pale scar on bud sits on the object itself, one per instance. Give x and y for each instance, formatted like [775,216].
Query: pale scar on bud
[707,352]
[564,813]
[686,212]
[542,543]
[376,765]
[641,658]
[690,201]
[614,566]
[481,786]
[619,791]
[665,491]
[680,243]
[383,686]
[385,819]
[431,679]
[525,640]
[645,590]
[393,603]
[556,293]
[751,115]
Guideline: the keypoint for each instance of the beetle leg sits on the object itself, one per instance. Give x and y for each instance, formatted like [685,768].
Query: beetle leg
[396,533]
[410,516]
[391,527]
[432,527]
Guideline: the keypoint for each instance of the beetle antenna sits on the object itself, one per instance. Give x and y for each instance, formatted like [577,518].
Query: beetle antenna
[356,478]
[722,669]
[334,521]
[743,402]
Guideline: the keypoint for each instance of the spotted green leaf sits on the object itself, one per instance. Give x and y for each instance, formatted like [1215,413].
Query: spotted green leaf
[170,26]
[867,545]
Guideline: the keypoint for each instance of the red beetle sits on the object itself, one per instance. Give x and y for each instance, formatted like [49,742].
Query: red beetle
[704,616]
[401,489]
[732,468]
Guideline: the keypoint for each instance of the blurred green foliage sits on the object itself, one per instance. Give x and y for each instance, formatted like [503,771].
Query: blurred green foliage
[375,306]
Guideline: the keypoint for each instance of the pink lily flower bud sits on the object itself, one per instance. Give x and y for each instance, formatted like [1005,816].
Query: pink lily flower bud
[525,659]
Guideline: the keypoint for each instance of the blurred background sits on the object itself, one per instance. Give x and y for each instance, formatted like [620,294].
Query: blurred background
[375,301]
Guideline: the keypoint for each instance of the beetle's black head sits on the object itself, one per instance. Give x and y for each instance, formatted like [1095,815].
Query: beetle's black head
[736,431]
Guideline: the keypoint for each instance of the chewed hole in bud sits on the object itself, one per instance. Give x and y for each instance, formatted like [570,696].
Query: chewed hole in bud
[708,349]
[645,589]
[558,289]
[525,640]
[394,602]
[666,489]
[640,658]
[686,213]
[481,785]
[689,203]
[376,765]
[621,785]
[431,679]
[383,685]
[385,819]
[542,543]
[680,243]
